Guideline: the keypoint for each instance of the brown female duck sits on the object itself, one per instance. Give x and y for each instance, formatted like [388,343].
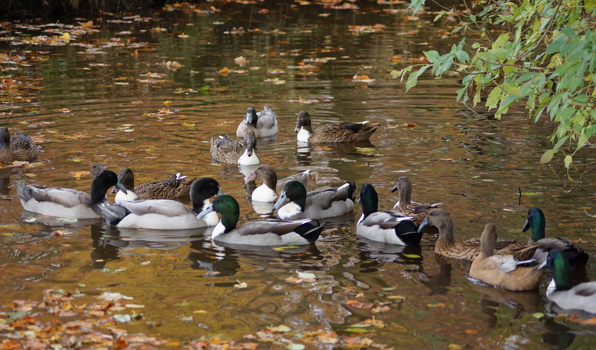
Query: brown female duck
[271,187]
[21,147]
[503,270]
[176,187]
[405,204]
[469,250]
[336,132]
[224,150]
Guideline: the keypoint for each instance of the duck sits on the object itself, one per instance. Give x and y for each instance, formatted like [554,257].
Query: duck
[315,204]
[384,226]
[271,187]
[469,250]
[165,214]
[503,270]
[263,123]
[176,187]
[271,232]
[224,150]
[537,222]
[69,203]
[405,204]
[19,148]
[336,132]
[581,297]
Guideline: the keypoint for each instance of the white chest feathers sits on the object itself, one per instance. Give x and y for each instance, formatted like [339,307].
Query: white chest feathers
[303,135]
[218,230]
[264,194]
[130,196]
[246,160]
[288,211]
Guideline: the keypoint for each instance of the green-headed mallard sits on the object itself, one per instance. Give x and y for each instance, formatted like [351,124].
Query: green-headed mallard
[259,232]
[336,132]
[581,297]
[176,187]
[224,150]
[68,203]
[316,204]
[503,270]
[263,123]
[405,204]
[165,214]
[384,226]
[469,250]
[21,147]
[537,222]
[270,188]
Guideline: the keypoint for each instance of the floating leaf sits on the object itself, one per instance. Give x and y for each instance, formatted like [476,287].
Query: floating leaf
[294,346]
[306,275]
[412,256]
[538,315]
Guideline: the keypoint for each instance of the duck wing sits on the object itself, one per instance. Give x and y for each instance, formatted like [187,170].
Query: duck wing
[308,178]
[66,197]
[262,232]
[343,132]
[224,150]
[164,207]
[23,147]
[266,119]
[323,199]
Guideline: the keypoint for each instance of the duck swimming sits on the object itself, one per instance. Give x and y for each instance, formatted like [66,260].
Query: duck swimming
[264,123]
[268,191]
[503,270]
[336,132]
[384,226]
[405,204]
[537,222]
[20,148]
[165,214]
[469,250]
[176,187]
[259,232]
[224,150]
[316,204]
[581,297]
[64,202]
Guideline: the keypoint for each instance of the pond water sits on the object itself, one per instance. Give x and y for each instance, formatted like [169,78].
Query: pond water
[111,97]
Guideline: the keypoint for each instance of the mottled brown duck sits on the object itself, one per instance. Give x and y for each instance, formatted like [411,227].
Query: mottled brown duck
[176,187]
[224,150]
[21,147]
[406,206]
[336,132]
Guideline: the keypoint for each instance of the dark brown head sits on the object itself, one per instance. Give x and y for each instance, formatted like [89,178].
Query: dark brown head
[266,173]
[250,140]
[127,178]
[404,186]
[488,240]
[440,219]
[303,120]
[4,136]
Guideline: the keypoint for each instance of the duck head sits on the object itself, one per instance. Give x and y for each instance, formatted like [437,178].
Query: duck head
[250,139]
[295,192]
[440,219]
[126,178]
[4,137]
[488,240]
[201,190]
[560,266]
[369,199]
[404,186]
[229,209]
[266,173]
[251,117]
[537,222]
[303,121]
[102,183]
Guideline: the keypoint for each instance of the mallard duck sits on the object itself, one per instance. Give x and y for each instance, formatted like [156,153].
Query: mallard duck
[503,270]
[259,232]
[384,226]
[224,150]
[405,204]
[21,147]
[336,132]
[537,222]
[270,188]
[559,291]
[469,250]
[64,202]
[263,123]
[176,187]
[165,214]
[316,204]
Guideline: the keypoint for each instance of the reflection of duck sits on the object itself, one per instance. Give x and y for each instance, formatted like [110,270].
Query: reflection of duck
[537,222]
[4,182]
[468,250]
[268,191]
[405,204]
[316,204]
[503,270]
[259,232]
[263,123]
[64,202]
[21,147]
[165,214]
[386,226]
[176,187]
[336,132]
[224,150]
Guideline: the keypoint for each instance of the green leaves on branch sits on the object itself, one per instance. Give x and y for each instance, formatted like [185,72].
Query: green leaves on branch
[545,60]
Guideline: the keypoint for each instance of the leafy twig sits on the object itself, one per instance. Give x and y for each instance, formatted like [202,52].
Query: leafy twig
[578,181]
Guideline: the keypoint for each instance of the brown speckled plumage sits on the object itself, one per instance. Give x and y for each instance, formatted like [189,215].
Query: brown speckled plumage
[406,206]
[336,132]
[224,150]
[172,188]
[269,176]
[469,250]
[21,147]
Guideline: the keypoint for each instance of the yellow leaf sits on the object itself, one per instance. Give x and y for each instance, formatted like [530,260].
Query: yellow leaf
[66,37]
[167,103]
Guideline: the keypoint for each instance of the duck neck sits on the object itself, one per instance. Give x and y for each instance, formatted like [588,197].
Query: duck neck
[446,239]
[561,273]
[405,196]
[369,201]
[98,191]
[538,227]
[229,221]
[305,133]
[301,202]
[270,181]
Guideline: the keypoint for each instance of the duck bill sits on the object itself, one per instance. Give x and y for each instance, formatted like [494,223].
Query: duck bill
[395,188]
[121,187]
[205,211]
[250,178]
[298,125]
[249,147]
[280,201]
[423,224]
[526,226]
[250,118]
[220,192]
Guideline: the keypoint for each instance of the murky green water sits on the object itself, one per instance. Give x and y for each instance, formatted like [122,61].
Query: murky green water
[101,99]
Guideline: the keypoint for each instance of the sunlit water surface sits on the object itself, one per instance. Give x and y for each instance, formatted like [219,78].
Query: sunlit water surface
[98,100]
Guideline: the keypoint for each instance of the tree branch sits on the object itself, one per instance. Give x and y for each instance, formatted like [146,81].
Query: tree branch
[578,181]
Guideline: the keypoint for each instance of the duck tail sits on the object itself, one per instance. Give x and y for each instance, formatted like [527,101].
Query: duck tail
[407,232]
[366,131]
[352,191]
[310,230]
[24,192]
[576,257]
[113,214]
